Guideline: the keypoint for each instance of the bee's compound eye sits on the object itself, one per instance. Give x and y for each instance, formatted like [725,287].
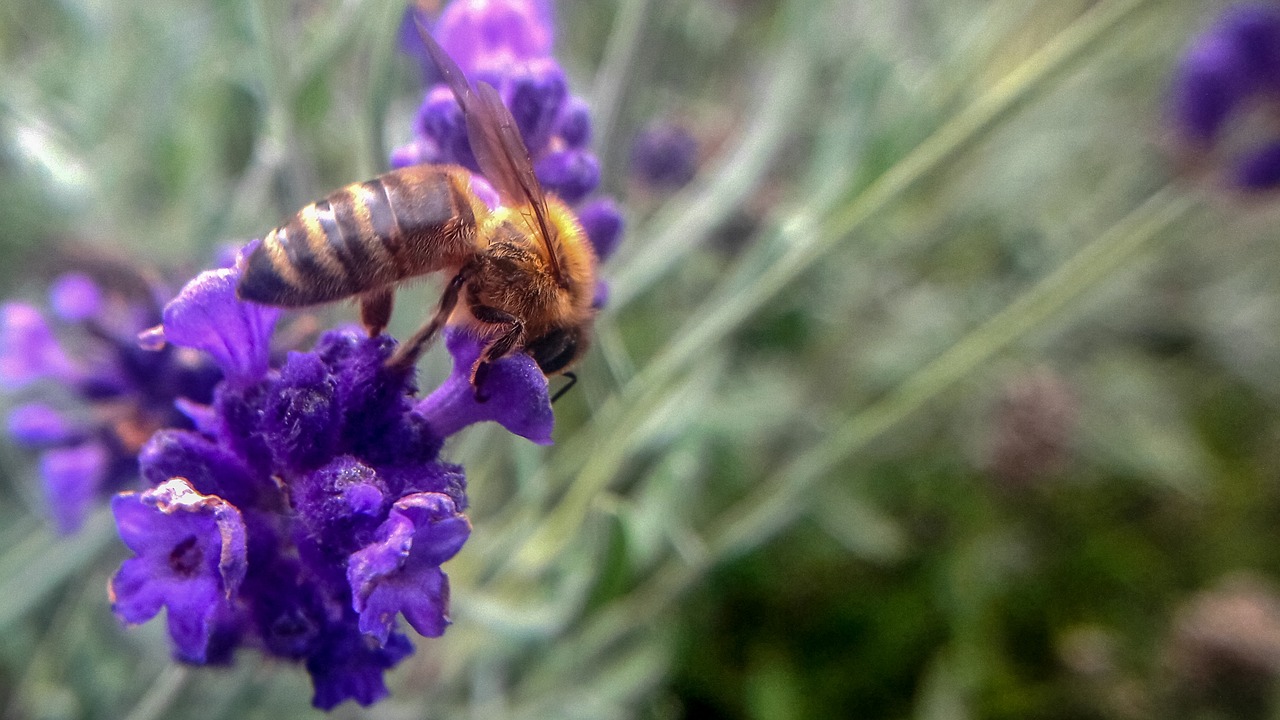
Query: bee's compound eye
[554,351]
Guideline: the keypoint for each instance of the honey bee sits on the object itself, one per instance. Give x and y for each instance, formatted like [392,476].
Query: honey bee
[522,274]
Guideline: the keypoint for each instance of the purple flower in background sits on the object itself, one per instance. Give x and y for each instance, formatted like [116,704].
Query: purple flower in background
[1229,70]
[307,508]
[508,44]
[664,156]
[100,394]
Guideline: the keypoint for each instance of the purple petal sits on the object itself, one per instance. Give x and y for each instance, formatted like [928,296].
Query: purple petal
[73,481]
[1255,32]
[28,350]
[39,425]
[400,573]
[516,389]
[75,297]
[422,597]
[191,615]
[440,530]
[135,595]
[602,222]
[206,315]
[192,555]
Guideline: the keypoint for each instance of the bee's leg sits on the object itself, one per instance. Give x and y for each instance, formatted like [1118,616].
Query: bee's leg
[499,347]
[408,352]
[375,310]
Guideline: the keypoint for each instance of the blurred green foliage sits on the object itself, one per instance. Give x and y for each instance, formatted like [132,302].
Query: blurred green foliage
[941,393]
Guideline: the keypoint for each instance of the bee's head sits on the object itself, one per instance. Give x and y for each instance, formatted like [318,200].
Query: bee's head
[559,348]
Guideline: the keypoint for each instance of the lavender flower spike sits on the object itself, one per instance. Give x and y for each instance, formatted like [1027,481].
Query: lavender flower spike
[508,44]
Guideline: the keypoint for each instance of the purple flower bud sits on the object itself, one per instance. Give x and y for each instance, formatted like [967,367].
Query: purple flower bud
[602,222]
[440,122]
[664,156]
[75,297]
[535,94]
[517,392]
[207,466]
[1209,87]
[570,174]
[346,666]
[299,422]
[340,505]
[573,126]
[400,572]
[191,556]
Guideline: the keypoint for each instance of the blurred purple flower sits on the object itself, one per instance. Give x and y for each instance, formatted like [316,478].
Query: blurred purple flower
[100,394]
[1228,69]
[664,156]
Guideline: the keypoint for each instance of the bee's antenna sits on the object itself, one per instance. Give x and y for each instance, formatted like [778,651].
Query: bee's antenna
[573,380]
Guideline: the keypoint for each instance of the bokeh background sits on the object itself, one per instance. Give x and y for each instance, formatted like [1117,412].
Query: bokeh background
[946,388]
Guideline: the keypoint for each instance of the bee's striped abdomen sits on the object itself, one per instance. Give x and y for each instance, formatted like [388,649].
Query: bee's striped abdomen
[365,236]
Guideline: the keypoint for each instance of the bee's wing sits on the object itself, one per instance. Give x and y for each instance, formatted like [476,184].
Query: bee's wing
[496,142]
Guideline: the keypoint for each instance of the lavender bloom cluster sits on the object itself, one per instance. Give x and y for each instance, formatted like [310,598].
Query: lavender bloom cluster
[308,507]
[1230,69]
[101,395]
[507,43]
[294,504]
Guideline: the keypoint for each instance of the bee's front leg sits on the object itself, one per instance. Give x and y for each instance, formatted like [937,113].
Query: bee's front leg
[511,333]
